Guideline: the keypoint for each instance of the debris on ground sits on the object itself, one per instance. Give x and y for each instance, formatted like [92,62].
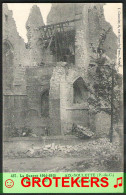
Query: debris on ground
[82,132]
[94,148]
[100,152]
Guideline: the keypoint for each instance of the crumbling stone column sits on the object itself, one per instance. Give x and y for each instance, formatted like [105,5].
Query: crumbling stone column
[35,42]
[66,101]
[81,40]
[54,101]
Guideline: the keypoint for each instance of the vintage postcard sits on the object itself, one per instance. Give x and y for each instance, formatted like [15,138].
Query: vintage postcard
[62,95]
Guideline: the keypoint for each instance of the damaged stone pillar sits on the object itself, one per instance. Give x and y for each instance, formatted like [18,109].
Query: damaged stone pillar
[81,40]
[66,100]
[54,101]
[35,42]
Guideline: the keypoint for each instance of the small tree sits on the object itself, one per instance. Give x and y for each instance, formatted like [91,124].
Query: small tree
[106,82]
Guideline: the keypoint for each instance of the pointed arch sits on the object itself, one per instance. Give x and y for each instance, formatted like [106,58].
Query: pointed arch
[7,44]
[80,92]
[8,64]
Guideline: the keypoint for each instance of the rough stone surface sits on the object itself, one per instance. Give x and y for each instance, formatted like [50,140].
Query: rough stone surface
[34,44]
[30,70]
[98,25]
[60,13]
[14,86]
[13,56]
[103,122]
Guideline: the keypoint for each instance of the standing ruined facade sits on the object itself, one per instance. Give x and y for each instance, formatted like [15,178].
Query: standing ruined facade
[46,80]
[15,57]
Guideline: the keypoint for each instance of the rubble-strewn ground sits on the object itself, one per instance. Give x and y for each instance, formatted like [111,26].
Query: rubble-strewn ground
[75,156]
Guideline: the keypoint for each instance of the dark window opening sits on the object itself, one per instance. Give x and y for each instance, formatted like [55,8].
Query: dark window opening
[6,17]
[8,58]
[59,38]
[63,46]
[80,91]
[45,104]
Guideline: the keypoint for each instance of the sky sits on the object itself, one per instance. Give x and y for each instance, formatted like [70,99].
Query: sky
[21,12]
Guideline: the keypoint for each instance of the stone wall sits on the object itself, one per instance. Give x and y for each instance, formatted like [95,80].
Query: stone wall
[25,77]
[88,30]
[63,111]
[35,42]
[72,112]
[82,40]
[61,12]
[38,81]
[98,25]
[34,72]
[14,113]
[103,123]
[15,57]
[8,68]
[20,54]
[54,99]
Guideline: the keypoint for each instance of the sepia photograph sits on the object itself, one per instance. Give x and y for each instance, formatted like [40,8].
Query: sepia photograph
[62,75]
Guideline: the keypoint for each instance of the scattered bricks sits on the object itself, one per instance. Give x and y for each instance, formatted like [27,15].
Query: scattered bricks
[82,132]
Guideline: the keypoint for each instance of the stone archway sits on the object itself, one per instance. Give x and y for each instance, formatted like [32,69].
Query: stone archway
[73,101]
[80,92]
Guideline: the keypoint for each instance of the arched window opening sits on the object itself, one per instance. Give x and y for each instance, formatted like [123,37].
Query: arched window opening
[80,91]
[7,47]
[8,58]
[6,17]
[45,104]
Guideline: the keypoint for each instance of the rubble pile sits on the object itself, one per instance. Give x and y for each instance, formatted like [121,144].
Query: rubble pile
[54,150]
[92,148]
[102,155]
[82,132]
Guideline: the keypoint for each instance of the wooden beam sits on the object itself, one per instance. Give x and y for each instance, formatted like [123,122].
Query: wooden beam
[56,24]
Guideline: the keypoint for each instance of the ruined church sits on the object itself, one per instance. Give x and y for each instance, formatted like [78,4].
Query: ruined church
[46,82]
